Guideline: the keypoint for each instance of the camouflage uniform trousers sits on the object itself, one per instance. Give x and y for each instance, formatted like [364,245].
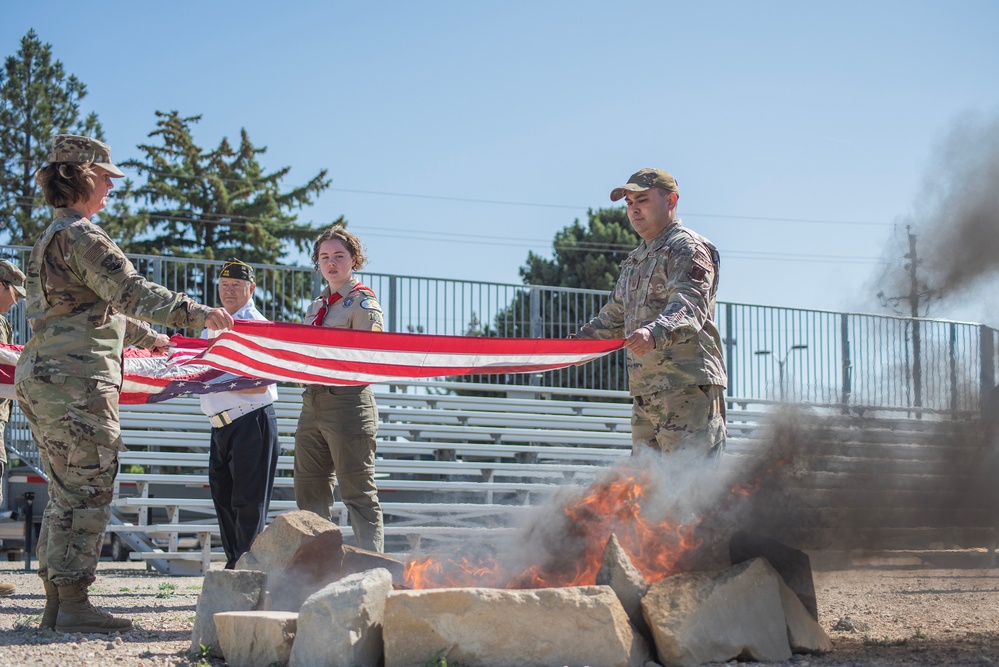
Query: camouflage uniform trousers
[680,419]
[75,424]
[335,440]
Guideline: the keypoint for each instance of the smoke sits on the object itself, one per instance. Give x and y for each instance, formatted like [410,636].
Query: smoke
[955,218]
[656,506]
[842,482]
[809,479]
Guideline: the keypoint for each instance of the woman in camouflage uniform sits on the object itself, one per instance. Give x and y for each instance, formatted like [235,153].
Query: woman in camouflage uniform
[85,301]
[11,290]
[337,428]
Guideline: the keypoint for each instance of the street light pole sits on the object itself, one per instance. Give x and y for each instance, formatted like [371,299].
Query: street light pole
[781,363]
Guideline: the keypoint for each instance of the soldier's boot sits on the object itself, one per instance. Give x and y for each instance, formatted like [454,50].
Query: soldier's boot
[76,614]
[7,589]
[51,605]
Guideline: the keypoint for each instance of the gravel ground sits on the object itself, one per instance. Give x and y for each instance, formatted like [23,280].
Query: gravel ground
[876,614]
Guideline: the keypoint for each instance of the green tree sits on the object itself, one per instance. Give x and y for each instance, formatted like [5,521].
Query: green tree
[584,257]
[37,100]
[211,204]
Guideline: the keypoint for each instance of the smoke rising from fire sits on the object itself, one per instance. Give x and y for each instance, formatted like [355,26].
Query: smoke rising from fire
[658,507]
[955,219]
[841,482]
[814,481]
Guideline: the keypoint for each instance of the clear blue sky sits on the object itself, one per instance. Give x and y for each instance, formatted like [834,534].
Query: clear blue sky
[800,132]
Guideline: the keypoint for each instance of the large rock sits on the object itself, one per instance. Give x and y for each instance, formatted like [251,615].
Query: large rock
[496,628]
[303,553]
[224,590]
[256,638]
[277,546]
[619,572]
[803,632]
[359,560]
[793,565]
[700,617]
[342,623]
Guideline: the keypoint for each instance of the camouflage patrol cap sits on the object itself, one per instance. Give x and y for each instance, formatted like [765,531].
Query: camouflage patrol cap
[76,148]
[237,269]
[12,275]
[645,179]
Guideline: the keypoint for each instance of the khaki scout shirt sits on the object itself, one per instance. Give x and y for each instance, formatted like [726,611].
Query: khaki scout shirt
[79,288]
[667,285]
[357,308]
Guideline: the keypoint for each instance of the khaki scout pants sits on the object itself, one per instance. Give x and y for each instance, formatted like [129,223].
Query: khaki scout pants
[685,418]
[335,440]
[75,424]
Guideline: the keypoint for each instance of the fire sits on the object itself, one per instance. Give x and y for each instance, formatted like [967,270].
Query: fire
[613,506]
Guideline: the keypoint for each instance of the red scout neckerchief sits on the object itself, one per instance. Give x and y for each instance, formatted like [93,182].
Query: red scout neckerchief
[330,300]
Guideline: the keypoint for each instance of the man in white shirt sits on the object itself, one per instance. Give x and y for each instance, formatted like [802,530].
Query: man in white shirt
[244,450]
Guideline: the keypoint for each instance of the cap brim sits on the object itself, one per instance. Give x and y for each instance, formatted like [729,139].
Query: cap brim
[20,290]
[114,171]
[619,193]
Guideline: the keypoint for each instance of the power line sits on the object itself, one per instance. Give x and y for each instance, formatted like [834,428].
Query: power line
[573,207]
[506,241]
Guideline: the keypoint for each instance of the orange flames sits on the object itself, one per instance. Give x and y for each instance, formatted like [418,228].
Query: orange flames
[575,549]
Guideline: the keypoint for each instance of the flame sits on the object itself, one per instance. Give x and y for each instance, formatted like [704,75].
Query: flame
[613,506]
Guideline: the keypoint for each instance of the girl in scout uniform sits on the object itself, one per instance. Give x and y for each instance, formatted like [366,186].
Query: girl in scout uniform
[335,439]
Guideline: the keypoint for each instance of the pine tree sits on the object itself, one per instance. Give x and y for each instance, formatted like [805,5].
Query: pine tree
[214,203]
[37,100]
[584,258]
[210,204]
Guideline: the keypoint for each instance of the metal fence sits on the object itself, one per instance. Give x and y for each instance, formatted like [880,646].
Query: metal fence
[850,360]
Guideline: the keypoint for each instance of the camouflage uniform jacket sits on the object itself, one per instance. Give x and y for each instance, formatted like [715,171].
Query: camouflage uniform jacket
[357,308]
[79,284]
[667,285]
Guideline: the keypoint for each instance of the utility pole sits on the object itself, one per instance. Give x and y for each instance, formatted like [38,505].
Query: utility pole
[917,293]
[917,364]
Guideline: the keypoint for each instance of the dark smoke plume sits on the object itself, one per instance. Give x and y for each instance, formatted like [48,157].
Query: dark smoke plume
[956,215]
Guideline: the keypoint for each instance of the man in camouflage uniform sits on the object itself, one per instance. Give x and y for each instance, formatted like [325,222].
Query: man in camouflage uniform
[85,301]
[11,289]
[663,305]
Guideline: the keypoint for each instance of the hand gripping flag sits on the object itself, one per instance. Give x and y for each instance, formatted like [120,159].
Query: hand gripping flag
[257,352]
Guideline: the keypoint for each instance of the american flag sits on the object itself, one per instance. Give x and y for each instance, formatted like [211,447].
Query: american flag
[278,352]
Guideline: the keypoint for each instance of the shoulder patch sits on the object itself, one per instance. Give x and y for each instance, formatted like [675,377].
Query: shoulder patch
[371,304]
[112,263]
[96,250]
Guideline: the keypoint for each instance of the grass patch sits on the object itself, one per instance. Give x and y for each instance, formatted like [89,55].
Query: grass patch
[884,642]
[166,590]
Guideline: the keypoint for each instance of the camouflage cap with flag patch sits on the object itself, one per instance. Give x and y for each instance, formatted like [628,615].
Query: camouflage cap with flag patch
[12,275]
[645,179]
[83,150]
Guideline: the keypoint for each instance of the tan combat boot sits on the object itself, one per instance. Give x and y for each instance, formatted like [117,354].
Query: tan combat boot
[7,589]
[76,614]
[51,605]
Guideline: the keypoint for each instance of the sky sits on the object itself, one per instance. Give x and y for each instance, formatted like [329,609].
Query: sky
[459,136]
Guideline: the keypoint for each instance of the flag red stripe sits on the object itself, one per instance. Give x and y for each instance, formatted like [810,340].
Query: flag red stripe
[327,336]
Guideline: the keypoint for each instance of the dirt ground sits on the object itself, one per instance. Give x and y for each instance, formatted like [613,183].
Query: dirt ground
[900,611]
